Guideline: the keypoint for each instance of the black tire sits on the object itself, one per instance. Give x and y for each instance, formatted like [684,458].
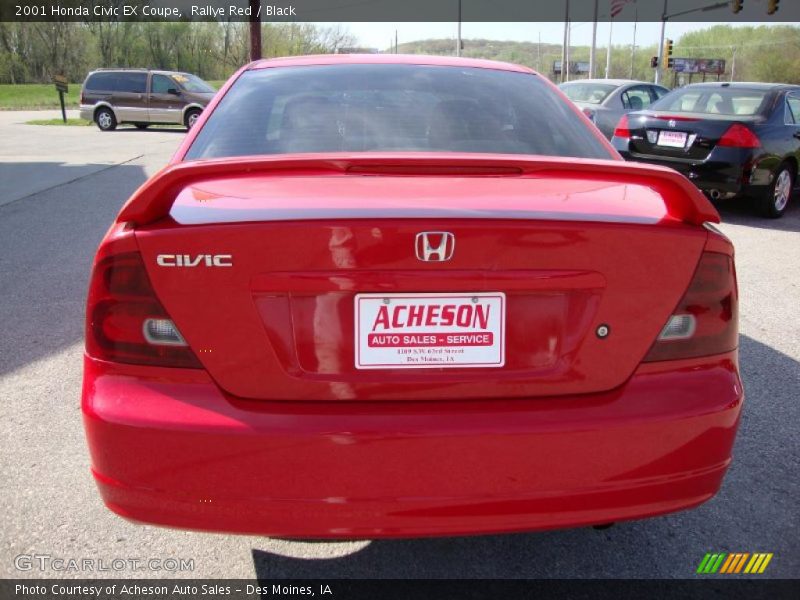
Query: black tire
[142,125]
[775,200]
[190,117]
[105,120]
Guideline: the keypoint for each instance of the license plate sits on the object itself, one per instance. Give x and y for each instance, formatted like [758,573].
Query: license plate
[672,139]
[419,331]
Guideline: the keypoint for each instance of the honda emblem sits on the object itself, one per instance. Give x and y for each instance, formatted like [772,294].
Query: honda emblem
[435,246]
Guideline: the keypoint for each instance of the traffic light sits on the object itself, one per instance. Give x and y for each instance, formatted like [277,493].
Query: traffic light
[773,6]
[654,62]
[736,6]
[668,44]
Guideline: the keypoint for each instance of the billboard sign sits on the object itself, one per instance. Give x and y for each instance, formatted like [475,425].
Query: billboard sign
[715,66]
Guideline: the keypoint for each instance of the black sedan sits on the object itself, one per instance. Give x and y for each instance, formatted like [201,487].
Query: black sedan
[730,139]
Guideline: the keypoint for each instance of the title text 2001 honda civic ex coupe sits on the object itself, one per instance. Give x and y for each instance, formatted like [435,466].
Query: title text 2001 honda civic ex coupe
[378,296]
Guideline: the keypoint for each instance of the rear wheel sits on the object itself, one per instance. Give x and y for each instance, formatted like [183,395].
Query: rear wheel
[105,119]
[776,199]
[142,125]
[191,118]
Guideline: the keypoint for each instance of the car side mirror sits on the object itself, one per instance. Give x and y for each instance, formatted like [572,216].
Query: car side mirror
[173,91]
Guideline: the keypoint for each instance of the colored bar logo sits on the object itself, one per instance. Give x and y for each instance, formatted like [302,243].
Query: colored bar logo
[735,562]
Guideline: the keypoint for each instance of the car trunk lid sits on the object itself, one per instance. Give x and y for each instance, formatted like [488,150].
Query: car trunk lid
[577,266]
[684,136]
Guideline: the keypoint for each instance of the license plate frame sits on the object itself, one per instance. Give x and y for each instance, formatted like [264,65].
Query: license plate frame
[475,338]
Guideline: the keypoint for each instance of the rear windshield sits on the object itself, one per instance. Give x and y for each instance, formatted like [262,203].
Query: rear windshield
[364,108]
[592,93]
[719,101]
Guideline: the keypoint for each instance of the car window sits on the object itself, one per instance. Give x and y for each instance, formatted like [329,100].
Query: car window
[161,84]
[364,108]
[636,98]
[135,83]
[683,102]
[593,93]
[192,83]
[727,104]
[659,92]
[100,82]
[793,109]
[720,101]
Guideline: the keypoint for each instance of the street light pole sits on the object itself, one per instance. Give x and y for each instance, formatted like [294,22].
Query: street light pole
[665,17]
[593,51]
[569,48]
[564,52]
[633,46]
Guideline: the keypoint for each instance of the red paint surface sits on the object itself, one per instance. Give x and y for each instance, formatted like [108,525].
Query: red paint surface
[169,448]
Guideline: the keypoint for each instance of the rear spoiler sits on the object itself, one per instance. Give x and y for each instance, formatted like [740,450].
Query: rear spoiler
[154,199]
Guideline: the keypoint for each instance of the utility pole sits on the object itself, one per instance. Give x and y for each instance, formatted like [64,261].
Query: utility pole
[661,44]
[458,41]
[255,29]
[539,54]
[395,41]
[608,54]
[593,51]
[733,64]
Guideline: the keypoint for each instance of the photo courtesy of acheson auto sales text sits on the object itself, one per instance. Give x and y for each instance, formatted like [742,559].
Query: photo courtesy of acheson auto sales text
[399,299]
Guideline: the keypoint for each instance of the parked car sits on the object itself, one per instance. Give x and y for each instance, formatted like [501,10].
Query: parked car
[604,101]
[385,295]
[142,97]
[730,139]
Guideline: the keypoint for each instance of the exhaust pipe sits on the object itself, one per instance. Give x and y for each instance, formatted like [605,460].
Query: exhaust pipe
[715,194]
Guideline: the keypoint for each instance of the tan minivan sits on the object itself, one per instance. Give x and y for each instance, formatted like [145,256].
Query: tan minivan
[143,97]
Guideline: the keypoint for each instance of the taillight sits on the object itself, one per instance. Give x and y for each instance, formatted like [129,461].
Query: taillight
[589,113]
[126,323]
[705,321]
[739,136]
[623,129]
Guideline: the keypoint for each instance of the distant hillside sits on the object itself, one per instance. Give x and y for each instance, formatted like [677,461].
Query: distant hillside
[527,53]
[761,53]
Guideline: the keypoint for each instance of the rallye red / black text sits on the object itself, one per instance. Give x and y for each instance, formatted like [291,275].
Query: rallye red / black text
[384,296]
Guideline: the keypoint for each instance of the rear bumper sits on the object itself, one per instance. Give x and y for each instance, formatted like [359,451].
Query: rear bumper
[707,176]
[87,112]
[169,448]
[728,170]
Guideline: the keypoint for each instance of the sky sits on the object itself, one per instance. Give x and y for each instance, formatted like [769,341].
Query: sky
[379,35]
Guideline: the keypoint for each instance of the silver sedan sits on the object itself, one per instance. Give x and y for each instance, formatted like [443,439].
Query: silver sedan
[604,101]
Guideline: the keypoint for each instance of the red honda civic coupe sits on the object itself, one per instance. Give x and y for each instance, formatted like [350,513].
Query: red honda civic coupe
[395,296]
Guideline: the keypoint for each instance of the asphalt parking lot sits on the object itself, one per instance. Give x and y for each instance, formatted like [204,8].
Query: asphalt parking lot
[59,191]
